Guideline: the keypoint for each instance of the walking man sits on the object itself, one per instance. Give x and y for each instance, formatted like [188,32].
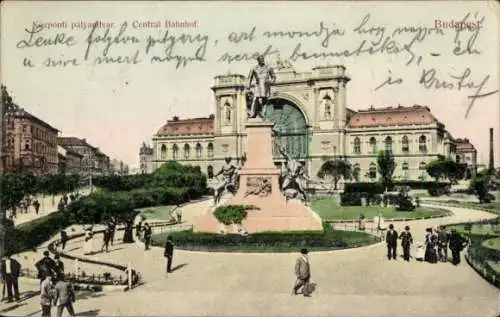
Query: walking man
[112,226]
[46,267]
[10,270]
[406,242]
[169,253]
[59,264]
[443,238]
[63,239]
[147,235]
[46,294]
[457,244]
[64,297]
[36,205]
[106,239]
[391,239]
[303,273]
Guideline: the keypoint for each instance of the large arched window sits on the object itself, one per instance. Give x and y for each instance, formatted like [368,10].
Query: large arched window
[372,174]
[405,148]
[175,152]
[199,150]
[422,144]
[187,151]
[388,144]
[210,171]
[373,145]
[357,145]
[210,150]
[163,152]
[406,171]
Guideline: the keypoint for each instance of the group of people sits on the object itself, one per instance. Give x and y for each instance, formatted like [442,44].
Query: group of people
[143,231]
[65,200]
[435,248]
[24,206]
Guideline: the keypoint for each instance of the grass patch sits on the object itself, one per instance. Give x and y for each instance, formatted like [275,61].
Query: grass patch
[327,209]
[493,207]
[492,244]
[263,242]
[158,213]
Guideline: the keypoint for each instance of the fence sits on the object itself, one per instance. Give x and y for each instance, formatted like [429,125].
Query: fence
[83,278]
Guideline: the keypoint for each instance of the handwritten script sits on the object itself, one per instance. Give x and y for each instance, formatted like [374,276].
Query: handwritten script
[122,44]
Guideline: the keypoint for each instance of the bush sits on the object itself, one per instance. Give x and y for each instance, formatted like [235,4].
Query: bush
[267,241]
[372,188]
[439,189]
[231,214]
[29,235]
[404,203]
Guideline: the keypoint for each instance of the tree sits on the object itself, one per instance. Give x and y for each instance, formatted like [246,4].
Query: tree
[14,186]
[386,166]
[335,169]
[479,185]
[444,168]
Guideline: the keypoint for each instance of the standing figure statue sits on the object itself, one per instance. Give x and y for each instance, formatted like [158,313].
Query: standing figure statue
[264,76]
[293,179]
[229,180]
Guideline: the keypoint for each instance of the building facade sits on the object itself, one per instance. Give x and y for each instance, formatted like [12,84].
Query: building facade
[467,154]
[93,161]
[313,124]
[146,159]
[70,162]
[30,143]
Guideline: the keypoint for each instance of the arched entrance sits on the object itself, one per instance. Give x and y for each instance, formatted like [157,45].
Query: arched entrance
[292,128]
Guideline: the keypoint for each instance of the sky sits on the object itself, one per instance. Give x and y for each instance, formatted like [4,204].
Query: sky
[116,106]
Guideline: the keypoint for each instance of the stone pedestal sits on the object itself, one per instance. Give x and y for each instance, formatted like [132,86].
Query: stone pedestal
[259,186]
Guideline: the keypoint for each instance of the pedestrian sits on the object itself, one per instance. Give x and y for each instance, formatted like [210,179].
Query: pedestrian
[147,235]
[443,238]
[106,237]
[88,241]
[63,239]
[431,240]
[112,227]
[138,228]
[46,266]
[59,264]
[456,243]
[361,223]
[391,239]
[303,274]
[36,205]
[406,242]
[65,200]
[64,296]
[46,294]
[178,213]
[169,253]
[10,270]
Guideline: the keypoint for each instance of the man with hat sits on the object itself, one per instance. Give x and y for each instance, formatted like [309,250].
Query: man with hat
[303,273]
[46,266]
[10,270]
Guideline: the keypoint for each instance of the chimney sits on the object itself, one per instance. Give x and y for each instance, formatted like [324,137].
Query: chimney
[492,159]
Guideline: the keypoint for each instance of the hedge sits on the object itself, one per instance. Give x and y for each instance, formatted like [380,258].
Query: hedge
[378,188]
[288,241]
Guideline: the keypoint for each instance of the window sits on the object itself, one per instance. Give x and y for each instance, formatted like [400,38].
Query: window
[388,144]
[227,113]
[423,171]
[422,144]
[24,128]
[373,145]
[357,145]
[406,145]
[27,145]
[372,174]
[210,171]
[356,172]
[175,152]
[327,102]
[199,150]
[163,152]
[210,150]
[406,171]
[187,151]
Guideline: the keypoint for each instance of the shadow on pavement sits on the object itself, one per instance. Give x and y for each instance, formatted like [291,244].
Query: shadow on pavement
[88,294]
[178,267]
[89,313]
[8,309]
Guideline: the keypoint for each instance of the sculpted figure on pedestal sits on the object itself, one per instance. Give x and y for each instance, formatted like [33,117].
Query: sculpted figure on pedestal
[263,76]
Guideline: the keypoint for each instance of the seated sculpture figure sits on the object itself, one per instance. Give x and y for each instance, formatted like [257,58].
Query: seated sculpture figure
[293,178]
[229,182]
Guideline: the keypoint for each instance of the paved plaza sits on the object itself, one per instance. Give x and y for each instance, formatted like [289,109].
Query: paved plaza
[355,282]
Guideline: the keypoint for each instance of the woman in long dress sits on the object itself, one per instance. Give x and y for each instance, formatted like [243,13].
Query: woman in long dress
[431,246]
[87,244]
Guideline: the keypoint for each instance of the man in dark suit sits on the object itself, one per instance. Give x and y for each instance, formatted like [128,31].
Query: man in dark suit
[457,244]
[406,241]
[46,266]
[303,273]
[391,239]
[147,235]
[64,296]
[10,270]
[169,253]
[63,239]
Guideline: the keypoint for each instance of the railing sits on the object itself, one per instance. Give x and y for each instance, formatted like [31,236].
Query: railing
[96,279]
[165,227]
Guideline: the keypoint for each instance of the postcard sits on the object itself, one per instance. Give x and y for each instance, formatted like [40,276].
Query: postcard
[246,158]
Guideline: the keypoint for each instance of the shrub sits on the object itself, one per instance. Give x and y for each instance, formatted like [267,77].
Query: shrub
[372,188]
[231,214]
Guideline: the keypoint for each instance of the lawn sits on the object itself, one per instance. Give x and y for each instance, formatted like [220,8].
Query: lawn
[327,209]
[158,212]
[493,207]
[492,244]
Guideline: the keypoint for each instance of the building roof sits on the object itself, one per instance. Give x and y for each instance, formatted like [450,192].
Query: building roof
[392,116]
[73,141]
[464,145]
[16,111]
[187,126]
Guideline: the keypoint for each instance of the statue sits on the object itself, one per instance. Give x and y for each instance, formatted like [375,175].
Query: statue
[293,178]
[229,181]
[264,76]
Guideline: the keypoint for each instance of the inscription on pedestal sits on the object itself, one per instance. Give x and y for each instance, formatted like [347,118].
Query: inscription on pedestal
[259,186]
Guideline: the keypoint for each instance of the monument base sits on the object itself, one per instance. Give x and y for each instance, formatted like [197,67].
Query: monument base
[259,187]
